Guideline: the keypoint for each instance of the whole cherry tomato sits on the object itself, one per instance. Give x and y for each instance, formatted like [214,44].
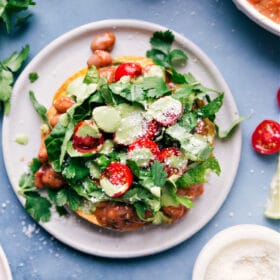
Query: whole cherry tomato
[130,69]
[278,97]
[266,137]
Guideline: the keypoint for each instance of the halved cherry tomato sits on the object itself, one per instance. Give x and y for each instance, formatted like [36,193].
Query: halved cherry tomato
[153,129]
[130,69]
[266,137]
[87,143]
[119,177]
[278,97]
[174,161]
[143,151]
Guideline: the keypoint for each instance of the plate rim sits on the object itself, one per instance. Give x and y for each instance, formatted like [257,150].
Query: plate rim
[150,27]
[6,266]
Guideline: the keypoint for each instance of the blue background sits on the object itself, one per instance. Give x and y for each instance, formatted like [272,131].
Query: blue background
[248,58]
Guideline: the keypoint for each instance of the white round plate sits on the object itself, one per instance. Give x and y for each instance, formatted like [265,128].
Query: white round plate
[262,20]
[57,62]
[5,272]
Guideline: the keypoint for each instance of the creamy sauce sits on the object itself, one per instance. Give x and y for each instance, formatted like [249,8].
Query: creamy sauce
[246,260]
[269,8]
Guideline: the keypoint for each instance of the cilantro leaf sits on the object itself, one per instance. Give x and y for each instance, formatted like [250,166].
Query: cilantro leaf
[158,173]
[162,41]
[8,68]
[33,76]
[66,196]
[75,170]
[155,87]
[14,62]
[37,206]
[162,54]
[11,8]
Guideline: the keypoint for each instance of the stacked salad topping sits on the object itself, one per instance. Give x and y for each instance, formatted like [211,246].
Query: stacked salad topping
[130,150]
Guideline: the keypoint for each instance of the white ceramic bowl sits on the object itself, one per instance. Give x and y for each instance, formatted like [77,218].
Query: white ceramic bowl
[257,17]
[229,236]
[5,272]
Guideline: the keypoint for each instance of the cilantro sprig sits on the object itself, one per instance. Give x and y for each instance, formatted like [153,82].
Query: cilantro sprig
[11,10]
[8,68]
[163,55]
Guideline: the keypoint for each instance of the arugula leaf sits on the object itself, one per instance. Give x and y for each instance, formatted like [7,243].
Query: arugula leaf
[170,197]
[54,143]
[197,173]
[37,206]
[11,8]
[39,108]
[210,109]
[8,68]
[227,133]
[33,76]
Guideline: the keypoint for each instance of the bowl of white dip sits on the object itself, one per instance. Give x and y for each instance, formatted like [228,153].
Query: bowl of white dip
[241,252]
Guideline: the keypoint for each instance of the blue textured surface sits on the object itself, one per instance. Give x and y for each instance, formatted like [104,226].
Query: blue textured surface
[249,59]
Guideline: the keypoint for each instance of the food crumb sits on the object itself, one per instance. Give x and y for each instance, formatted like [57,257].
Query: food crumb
[28,230]
[21,139]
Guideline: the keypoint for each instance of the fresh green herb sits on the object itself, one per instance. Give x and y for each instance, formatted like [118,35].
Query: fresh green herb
[197,173]
[37,206]
[33,76]
[13,8]
[92,76]
[8,68]
[162,54]
[227,133]
[39,108]
[158,173]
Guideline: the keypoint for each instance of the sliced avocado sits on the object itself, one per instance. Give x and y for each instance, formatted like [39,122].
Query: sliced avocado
[107,147]
[107,118]
[131,128]
[88,130]
[126,109]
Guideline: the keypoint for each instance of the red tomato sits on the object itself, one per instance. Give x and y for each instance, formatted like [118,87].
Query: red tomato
[278,97]
[120,176]
[266,137]
[136,151]
[153,129]
[87,143]
[130,69]
[174,161]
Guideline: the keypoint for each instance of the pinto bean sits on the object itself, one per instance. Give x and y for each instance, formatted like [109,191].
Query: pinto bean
[54,120]
[43,154]
[100,58]
[47,177]
[104,42]
[118,216]
[174,212]
[108,73]
[63,103]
